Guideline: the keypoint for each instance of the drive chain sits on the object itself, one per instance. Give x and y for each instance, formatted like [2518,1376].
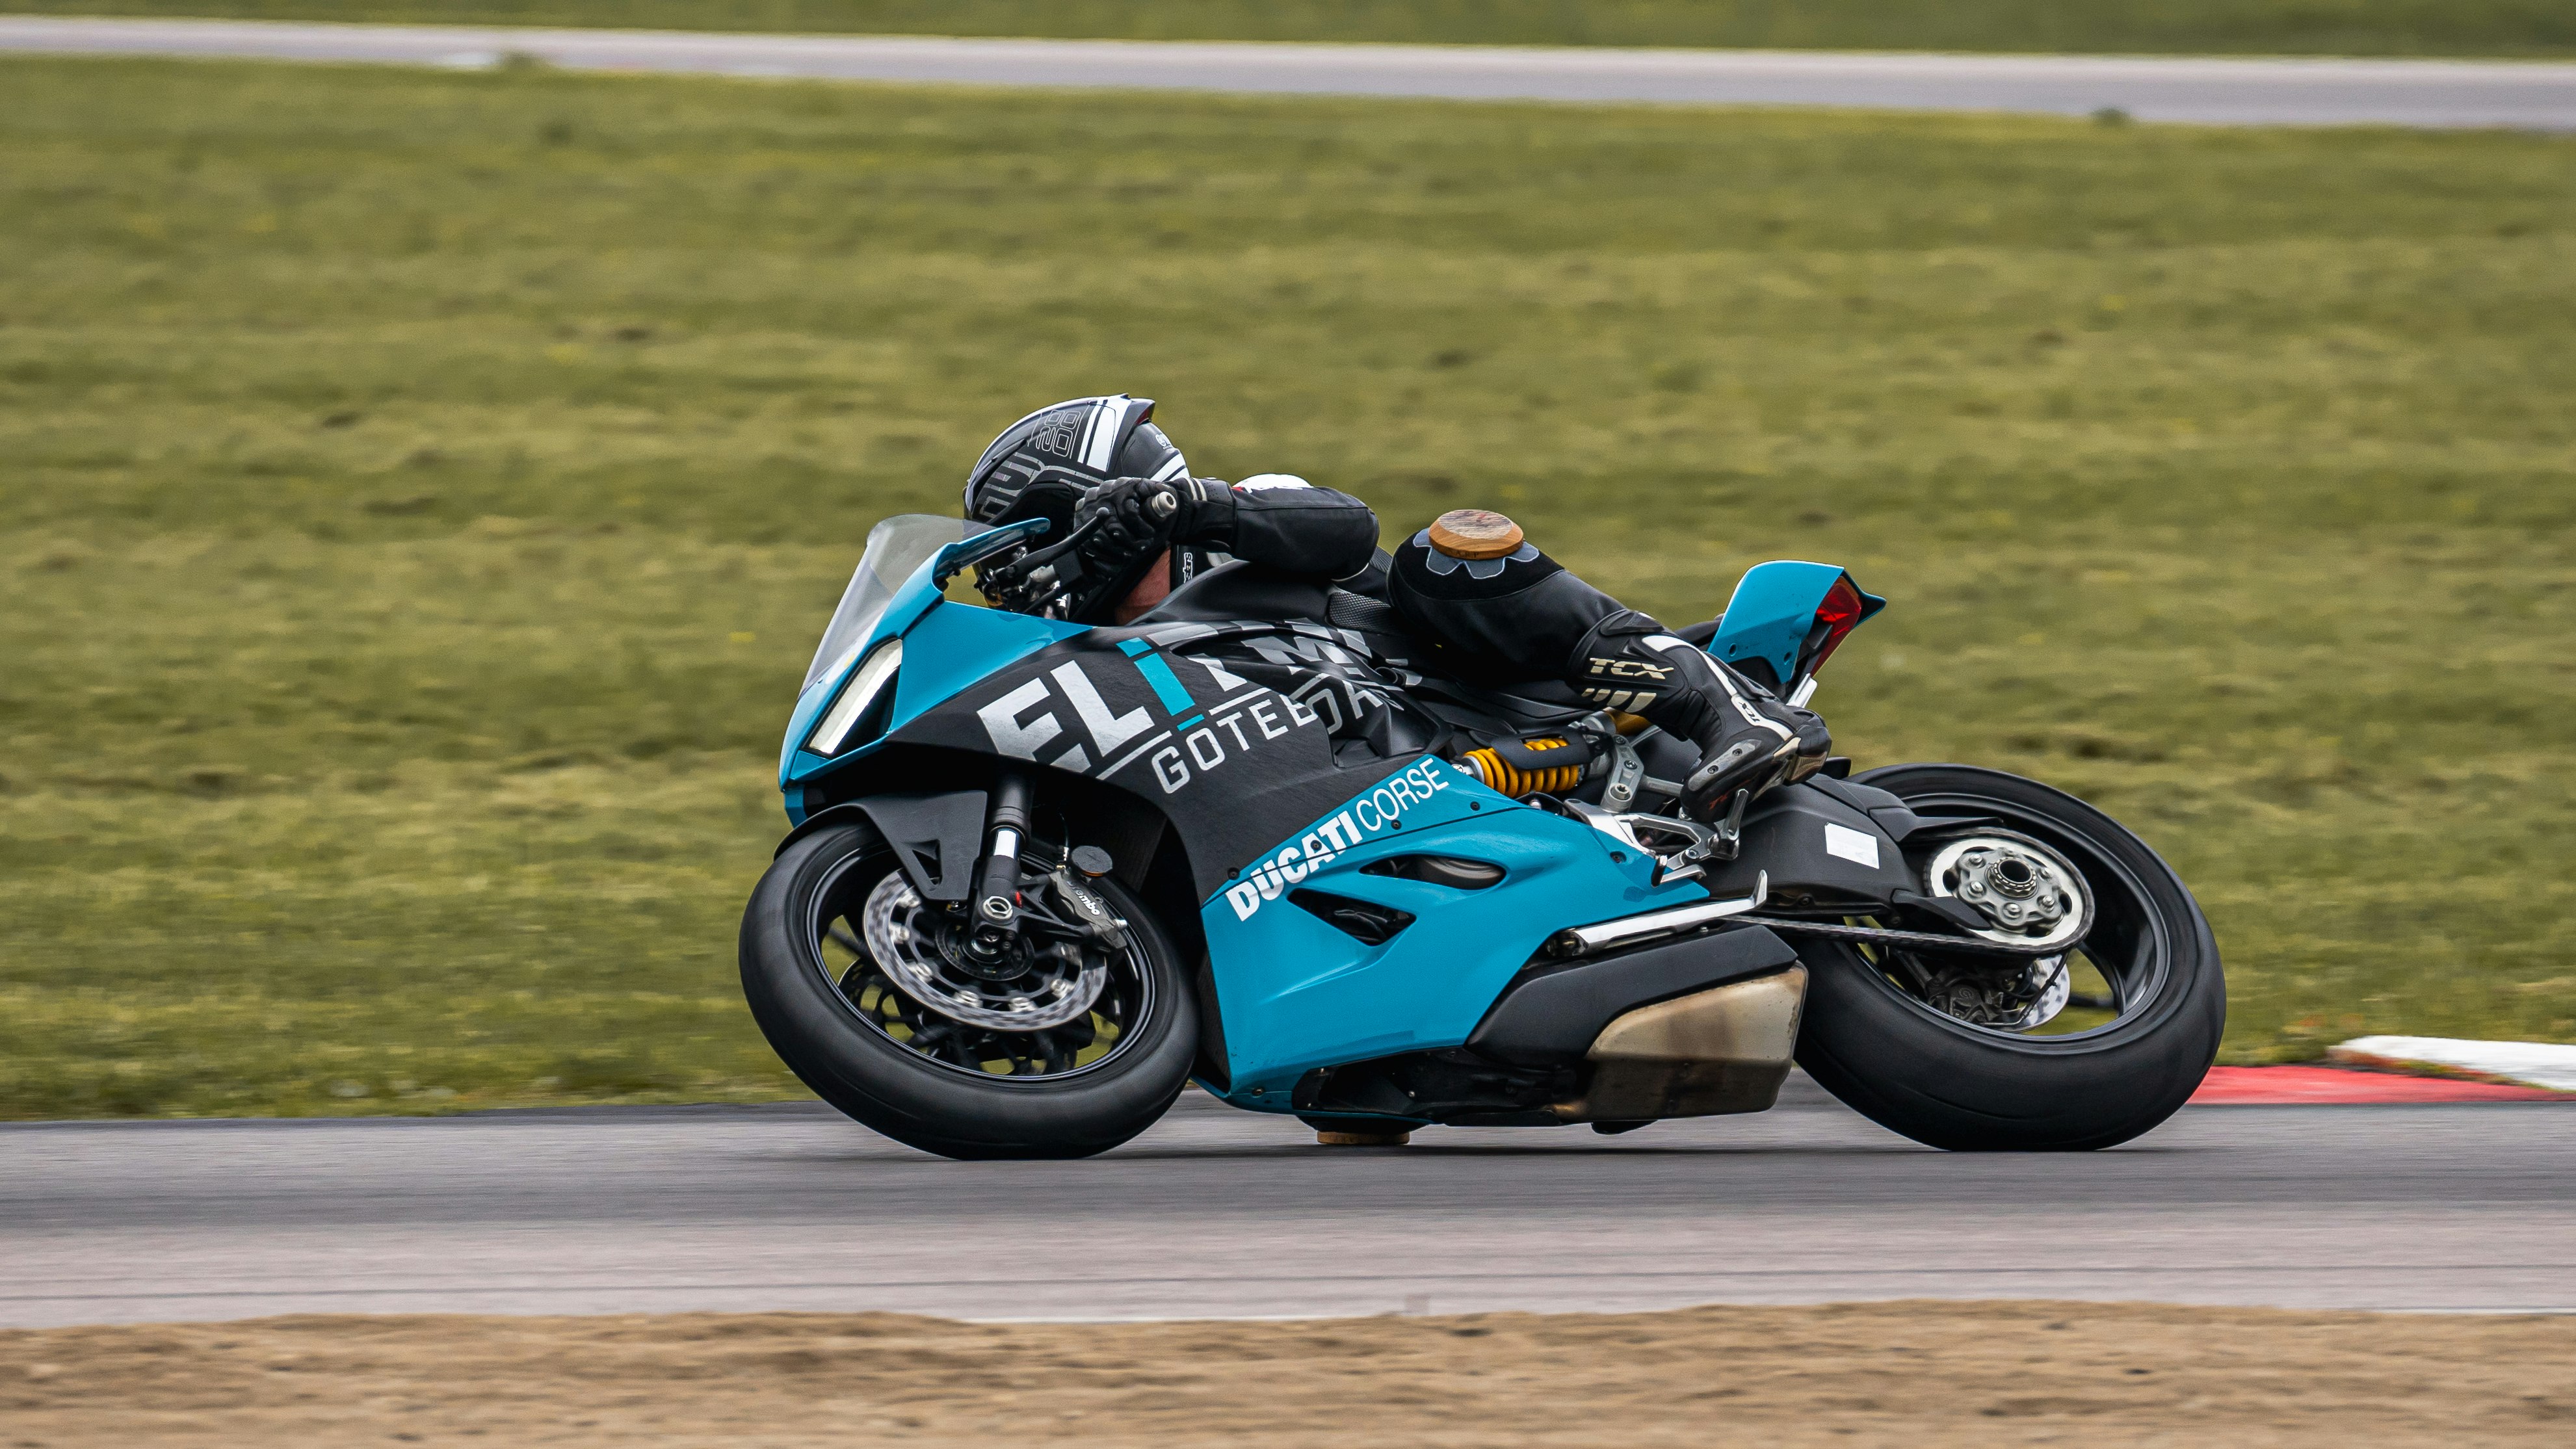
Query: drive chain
[1924,939]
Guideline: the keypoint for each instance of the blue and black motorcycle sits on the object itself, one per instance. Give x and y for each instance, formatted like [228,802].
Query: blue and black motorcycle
[1042,875]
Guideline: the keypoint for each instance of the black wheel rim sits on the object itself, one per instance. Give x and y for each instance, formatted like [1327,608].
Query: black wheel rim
[2117,971]
[1087,1044]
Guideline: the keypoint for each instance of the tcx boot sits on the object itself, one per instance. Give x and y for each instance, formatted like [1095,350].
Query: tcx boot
[1748,739]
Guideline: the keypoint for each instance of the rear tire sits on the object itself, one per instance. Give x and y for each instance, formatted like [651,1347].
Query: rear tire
[1940,1080]
[849,1060]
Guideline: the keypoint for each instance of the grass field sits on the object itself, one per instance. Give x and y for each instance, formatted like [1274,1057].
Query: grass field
[422,492]
[2285,27]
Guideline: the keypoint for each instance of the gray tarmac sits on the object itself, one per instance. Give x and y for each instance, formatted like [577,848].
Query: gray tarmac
[2190,89]
[1217,1213]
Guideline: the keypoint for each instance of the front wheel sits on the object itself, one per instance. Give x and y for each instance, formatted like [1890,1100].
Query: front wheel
[1979,1052]
[1066,1048]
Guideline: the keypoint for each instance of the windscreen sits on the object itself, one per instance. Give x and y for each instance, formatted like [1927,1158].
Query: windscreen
[896,547]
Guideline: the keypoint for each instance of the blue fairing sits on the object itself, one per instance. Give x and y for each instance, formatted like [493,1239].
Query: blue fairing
[946,649]
[1296,993]
[1773,608]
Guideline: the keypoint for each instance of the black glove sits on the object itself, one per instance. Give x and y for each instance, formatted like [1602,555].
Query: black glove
[1138,519]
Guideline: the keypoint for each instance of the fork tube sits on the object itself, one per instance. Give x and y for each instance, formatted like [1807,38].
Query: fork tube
[997,887]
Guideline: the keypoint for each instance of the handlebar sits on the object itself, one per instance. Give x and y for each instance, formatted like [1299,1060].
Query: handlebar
[1028,582]
[1049,554]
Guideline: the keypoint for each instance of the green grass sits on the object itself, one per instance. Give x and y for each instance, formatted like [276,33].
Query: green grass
[2528,28]
[421,493]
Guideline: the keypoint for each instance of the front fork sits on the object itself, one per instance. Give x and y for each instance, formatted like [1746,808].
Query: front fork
[997,885]
[1070,904]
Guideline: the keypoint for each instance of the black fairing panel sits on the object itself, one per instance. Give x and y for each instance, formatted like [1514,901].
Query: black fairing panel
[1153,712]
[1551,1014]
[935,837]
[1813,842]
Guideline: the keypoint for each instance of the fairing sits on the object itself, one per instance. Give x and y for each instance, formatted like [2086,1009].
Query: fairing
[1235,765]
[1286,767]
[1768,620]
[948,646]
[1298,993]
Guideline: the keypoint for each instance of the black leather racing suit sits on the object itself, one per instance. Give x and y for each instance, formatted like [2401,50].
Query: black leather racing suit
[1283,522]
[1525,616]
[1511,620]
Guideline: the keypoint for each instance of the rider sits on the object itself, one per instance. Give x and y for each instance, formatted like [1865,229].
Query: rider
[1487,604]
[1104,456]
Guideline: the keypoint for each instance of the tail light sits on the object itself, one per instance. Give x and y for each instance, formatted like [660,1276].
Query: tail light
[1841,612]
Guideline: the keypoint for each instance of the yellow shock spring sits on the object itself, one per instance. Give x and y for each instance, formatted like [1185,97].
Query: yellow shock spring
[1498,775]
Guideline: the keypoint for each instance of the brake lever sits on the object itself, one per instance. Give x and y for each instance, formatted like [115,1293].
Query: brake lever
[1028,582]
[1040,558]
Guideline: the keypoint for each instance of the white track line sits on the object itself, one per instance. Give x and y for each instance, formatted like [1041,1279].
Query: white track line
[2193,89]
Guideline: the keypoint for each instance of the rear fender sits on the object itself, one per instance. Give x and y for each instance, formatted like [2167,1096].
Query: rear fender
[1815,844]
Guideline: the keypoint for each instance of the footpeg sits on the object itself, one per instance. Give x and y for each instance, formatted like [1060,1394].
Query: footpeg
[1679,847]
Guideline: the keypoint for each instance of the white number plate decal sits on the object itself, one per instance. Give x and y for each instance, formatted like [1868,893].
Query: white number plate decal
[1856,846]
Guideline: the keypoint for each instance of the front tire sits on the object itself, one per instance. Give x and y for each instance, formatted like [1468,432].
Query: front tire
[1870,1036]
[863,1049]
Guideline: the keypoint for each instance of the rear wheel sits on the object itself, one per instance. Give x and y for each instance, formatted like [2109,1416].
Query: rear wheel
[1973,1051]
[1066,1048]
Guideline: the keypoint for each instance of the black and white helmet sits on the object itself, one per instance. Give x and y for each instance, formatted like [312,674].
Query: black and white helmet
[1041,465]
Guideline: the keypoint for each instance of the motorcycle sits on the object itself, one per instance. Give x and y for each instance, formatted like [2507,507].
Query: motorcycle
[1042,875]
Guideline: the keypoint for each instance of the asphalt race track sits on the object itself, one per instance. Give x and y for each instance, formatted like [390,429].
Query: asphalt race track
[2222,91]
[1219,1213]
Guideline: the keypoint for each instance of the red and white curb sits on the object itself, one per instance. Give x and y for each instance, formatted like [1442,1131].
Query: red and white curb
[2403,1069]
[2529,1063]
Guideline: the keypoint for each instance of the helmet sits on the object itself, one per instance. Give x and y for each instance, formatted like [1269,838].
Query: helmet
[1041,465]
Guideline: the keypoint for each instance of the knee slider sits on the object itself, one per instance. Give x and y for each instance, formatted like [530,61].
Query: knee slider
[1474,533]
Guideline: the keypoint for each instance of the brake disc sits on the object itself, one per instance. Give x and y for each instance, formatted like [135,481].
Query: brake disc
[2053,986]
[911,948]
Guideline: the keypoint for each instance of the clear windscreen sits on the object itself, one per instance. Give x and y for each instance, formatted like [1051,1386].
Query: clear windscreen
[896,547]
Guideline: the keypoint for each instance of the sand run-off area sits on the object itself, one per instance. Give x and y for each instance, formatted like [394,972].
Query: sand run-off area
[1923,1373]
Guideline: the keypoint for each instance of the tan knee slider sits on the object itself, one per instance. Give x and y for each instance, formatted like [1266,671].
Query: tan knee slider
[1393,1137]
[1475,533]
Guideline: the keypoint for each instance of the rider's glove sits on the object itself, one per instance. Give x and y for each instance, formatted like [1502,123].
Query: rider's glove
[1139,518]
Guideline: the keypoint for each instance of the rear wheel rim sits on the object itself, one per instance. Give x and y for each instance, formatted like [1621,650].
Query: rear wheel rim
[2117,972]
[1115,1021]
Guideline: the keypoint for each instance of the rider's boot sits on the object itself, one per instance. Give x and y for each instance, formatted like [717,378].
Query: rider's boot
[1749,740]
[1751,758]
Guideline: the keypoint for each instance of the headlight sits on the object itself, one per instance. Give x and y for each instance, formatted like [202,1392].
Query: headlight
[873,680]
